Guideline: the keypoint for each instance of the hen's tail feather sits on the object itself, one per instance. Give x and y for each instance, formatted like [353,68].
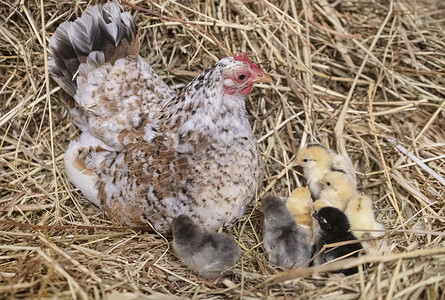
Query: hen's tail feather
[108,29]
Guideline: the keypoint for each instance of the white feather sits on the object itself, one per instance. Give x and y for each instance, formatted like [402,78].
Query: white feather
[228,82]
[84,182]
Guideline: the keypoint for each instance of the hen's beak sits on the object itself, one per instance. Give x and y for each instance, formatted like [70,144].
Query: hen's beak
[262,78]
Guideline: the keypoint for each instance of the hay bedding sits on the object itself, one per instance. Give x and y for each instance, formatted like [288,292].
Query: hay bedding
[352,75]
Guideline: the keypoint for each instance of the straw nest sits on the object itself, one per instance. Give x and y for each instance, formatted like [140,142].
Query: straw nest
[359,76]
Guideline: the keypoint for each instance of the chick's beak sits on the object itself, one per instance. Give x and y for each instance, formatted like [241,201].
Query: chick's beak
[322,182]
[315,215]
[263,77]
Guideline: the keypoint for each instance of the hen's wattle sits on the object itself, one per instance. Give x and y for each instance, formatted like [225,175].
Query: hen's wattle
[146,154]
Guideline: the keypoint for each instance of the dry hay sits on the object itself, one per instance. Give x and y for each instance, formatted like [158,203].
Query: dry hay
[353,75]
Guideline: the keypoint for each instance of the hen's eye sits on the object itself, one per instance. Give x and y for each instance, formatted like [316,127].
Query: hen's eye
[241,77]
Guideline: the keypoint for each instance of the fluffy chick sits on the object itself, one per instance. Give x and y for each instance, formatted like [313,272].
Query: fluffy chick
[317,161]
[205,253]
[286,242]
[298,204]
[334,228]
[338,189]
[361,216]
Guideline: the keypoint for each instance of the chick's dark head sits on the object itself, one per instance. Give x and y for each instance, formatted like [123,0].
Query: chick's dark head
[273,207]
[269,202]
[183,228]
[332,220]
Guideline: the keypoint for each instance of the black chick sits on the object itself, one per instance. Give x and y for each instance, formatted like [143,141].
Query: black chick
[205,253]
[334,228]
[286,242]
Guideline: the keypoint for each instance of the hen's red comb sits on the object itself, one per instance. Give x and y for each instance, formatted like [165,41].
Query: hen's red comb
[242,56]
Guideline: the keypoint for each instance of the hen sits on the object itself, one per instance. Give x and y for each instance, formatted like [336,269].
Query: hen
[147,154]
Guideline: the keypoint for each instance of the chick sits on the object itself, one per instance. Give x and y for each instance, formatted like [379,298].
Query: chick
[206,253]
[334,228]
[298,204]
[318,160]
[361,216]
[286,242]
[338,189]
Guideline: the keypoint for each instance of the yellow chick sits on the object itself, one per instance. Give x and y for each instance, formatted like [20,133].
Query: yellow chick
[361,216]
[298,205]
[317,161]
[338,189]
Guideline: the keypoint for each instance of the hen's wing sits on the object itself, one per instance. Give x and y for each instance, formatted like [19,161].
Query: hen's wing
[119,104]
[149,175]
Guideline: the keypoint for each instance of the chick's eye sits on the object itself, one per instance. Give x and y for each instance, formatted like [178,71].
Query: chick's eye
[322,220]
[305,160]
[328,183]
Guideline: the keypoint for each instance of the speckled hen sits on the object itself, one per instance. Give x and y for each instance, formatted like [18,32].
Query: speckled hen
[145,153]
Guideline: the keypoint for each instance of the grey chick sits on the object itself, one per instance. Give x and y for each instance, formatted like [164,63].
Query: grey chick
[286,242]
[205,253]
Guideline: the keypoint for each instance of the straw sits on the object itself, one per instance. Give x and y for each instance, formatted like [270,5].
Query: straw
[366,78]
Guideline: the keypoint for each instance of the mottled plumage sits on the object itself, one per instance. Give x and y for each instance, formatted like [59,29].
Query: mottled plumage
[286,243]
[205,253]
[147,154]
[334,228]
[317,161]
